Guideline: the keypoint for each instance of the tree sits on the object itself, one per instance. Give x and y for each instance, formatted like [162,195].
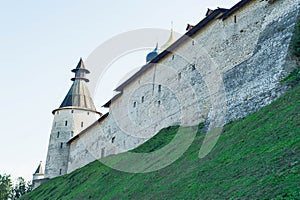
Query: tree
[10,191]
[20,188]
[5,187]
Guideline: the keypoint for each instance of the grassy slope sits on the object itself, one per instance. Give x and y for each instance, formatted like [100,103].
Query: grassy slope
[256,157]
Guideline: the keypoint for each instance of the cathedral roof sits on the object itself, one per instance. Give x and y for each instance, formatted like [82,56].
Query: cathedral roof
[79,95]
[216,14]
[169,42]
[152,54]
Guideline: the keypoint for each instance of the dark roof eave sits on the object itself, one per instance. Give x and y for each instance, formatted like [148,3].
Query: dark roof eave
[80,69]
[235,8]
[88,128]
[107,104]
[202,24]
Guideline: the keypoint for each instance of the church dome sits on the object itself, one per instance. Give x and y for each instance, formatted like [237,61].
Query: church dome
[152,54]
[169,42]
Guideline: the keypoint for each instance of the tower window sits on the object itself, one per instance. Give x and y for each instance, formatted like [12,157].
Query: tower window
[72,111]
[61,145]
[72,133]
[173,56]
[158,102]
[81,124]
[57,134]
[102,152]
[134,104]
[143,99]
[66,123]
[193,42]
[113,139]
[159,88]
[60,171]
[193,67]
[234,19]
[88,113]
[179,76]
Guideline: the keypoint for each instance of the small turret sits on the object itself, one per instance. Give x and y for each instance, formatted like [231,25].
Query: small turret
[38,176]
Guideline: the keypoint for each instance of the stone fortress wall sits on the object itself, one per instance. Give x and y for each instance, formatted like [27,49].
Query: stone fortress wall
[238,58]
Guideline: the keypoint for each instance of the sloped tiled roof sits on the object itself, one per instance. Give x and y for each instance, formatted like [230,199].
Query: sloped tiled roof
[78,96]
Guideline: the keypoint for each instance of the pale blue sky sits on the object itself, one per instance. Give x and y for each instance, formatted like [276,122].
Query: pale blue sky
[41,41]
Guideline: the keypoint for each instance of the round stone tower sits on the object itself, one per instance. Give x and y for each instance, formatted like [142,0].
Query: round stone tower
[75,114]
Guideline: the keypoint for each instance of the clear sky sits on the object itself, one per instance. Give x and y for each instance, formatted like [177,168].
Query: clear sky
[41,41]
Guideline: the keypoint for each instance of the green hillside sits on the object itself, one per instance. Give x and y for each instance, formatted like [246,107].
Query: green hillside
[257,157]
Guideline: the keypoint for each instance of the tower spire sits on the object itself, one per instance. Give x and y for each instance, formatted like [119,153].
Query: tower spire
[79,95]
[170,40]
[80,72]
